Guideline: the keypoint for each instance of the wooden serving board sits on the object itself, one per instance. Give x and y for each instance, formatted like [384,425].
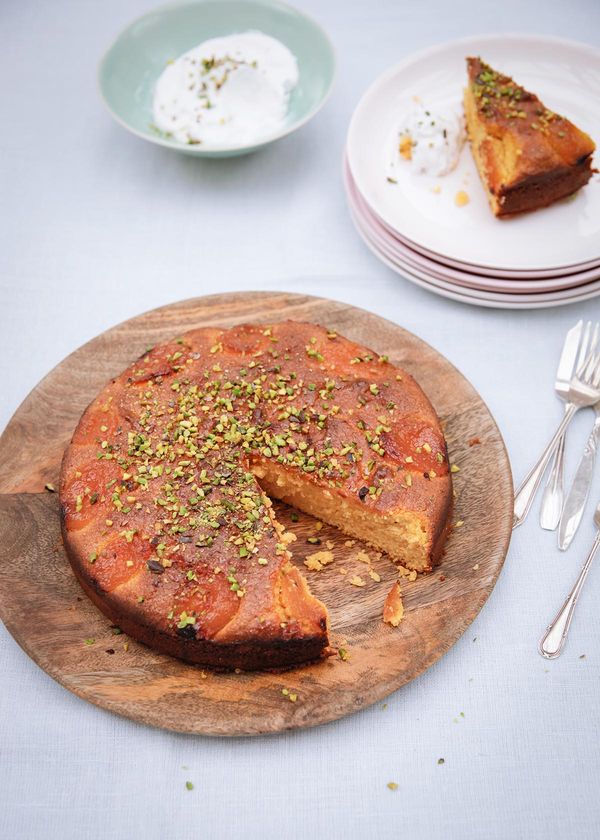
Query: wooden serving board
[44,608]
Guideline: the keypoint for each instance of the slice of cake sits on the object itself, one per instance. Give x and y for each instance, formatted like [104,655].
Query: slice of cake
[166,486]
[527,156]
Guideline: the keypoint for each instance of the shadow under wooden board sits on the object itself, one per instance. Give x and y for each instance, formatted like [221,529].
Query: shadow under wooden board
[45,610]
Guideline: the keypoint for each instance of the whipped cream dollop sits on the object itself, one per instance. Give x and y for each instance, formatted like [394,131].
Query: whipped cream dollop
[226,92]
[430,140]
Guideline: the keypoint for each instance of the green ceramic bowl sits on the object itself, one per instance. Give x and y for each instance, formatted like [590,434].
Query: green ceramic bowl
[130,68]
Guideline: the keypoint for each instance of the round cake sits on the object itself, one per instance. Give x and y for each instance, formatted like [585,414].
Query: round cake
[166,486]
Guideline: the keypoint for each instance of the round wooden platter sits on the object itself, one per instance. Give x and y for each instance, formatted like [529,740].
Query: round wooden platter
[44,608]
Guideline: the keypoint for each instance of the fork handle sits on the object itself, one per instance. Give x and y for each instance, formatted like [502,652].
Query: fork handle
[526,492]
[553,496]
[553,640]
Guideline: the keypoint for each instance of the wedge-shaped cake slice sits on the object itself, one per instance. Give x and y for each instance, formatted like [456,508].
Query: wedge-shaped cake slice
[527,155]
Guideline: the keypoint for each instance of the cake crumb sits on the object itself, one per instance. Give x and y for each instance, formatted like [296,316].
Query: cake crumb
[349,543]
[374,576]
[330,544]
[476,567]
[313,565]
[392,785]
[393,610]
[461,198]
[357,581]
[363,557]
[315,562]
[474,441]
[406,146]
[343,654]
[343,571]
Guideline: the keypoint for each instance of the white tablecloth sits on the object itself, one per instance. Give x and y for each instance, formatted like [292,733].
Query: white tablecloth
[97,226]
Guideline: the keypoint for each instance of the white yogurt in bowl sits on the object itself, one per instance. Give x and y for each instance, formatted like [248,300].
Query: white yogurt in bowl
[226,92]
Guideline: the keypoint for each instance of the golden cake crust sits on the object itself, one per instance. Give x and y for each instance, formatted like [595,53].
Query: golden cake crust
[527,155]
[164,512]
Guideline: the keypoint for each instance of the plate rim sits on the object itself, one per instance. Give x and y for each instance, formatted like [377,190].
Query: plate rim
[454,294]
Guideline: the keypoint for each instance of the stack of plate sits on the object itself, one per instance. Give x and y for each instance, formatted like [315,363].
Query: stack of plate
[414,224]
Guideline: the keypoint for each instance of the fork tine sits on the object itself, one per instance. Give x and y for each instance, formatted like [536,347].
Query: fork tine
[596,374]
[590,370]
[594,345]
[587,370]
[583,347]
[592,341]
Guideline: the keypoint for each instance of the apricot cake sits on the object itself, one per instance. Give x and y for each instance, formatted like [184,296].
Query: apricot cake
[166,485]
[527,156]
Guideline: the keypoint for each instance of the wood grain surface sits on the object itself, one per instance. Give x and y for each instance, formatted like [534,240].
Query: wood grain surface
[45,610]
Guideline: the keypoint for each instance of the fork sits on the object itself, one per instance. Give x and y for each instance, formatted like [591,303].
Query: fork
[577,347]
[583,391]
[553,640]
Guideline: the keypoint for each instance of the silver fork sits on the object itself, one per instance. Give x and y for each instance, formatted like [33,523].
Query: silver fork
[553,640]
[583,391]
[579,343]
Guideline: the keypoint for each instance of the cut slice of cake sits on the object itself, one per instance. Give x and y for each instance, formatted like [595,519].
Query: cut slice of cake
[527,155]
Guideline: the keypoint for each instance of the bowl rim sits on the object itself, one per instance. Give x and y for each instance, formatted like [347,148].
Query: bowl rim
[201,150]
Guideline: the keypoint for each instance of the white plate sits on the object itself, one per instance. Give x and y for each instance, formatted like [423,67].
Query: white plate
[516,285]
[566,76]
[472,296]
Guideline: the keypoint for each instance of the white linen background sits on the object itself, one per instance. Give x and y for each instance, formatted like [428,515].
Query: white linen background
[97,226]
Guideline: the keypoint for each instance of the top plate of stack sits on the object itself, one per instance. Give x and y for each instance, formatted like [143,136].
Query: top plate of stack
[563,238]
